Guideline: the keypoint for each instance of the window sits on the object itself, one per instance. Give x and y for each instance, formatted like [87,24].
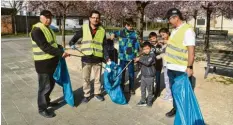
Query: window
[200,21]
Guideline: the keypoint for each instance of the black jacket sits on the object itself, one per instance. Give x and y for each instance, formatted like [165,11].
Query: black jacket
[49,65]
[91,58]
[159,62]
[148,65]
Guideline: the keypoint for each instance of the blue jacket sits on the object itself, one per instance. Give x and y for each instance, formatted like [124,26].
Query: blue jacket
[128,44]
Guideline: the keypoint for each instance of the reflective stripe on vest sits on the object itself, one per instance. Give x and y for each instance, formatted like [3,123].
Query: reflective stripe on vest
[93,46]
[176,52]
[50,36]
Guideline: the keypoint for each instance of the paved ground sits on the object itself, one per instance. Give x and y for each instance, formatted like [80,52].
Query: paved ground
[19,97]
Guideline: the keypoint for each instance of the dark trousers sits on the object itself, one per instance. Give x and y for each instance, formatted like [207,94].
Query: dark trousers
[131,74]
[157,78]
[172,75]
[147,83]
[46,85]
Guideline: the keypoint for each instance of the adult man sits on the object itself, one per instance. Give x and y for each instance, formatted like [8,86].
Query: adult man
[128,50]
[180,50]
[46,54]
[94,48]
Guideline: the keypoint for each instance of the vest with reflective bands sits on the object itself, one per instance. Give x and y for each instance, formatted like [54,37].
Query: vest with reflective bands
[38,54]
[92,46]
[176,52]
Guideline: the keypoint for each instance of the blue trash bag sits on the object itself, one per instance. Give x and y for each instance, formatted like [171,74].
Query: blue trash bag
[112,87]
[187,108]
[62,78]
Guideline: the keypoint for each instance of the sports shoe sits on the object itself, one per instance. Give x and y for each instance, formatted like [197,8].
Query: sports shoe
[142,103]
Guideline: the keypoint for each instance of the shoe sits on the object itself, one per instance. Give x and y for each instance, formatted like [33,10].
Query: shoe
[167,98]
[149,104]
[132,92]
[53,104]
[47,114]
[142,103]
[171,113]
[85,100]
[99,97]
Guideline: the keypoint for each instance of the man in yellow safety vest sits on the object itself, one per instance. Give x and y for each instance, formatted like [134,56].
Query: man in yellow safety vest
[46,54]
[94,48]
[180,50]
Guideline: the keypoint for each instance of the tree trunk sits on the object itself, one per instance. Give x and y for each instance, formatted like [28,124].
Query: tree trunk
[222,21]
[209,11]
[14,21]
[63,30]
[140,15]
[195,19]
[60,24]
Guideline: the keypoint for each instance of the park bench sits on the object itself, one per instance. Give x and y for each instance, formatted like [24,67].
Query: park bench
[218,32]
[219,58]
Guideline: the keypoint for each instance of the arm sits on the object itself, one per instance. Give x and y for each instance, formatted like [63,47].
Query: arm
[147,61]
[76,37]
[115,34]
[39,37]
[189,42]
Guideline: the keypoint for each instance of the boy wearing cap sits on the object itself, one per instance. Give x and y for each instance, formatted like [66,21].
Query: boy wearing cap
[46,54]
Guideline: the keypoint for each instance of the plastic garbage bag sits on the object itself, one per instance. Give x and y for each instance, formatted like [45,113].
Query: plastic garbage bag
[62,77]
[112,83]
[187,108]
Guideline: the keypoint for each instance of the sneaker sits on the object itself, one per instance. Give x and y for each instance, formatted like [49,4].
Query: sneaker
[47,114]
[167,98]
[149,104]
[85,100]
[99,97]
[142,103]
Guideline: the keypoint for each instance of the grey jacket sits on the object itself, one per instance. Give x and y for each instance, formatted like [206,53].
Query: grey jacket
[148,65]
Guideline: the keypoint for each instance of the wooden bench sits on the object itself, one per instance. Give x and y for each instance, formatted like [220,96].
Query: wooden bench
[218,32]
[219,58]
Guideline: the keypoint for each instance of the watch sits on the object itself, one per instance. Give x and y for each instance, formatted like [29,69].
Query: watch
[190,67]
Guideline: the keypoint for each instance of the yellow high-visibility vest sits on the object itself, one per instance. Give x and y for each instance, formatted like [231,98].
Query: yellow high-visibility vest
[92,46]
[50,36]
[176,52]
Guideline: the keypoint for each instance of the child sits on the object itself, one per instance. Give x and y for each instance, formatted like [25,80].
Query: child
[156,49]
[148,73]
[164,32]
[112,51]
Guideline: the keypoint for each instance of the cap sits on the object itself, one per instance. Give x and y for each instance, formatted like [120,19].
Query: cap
[173,12]
[46,13]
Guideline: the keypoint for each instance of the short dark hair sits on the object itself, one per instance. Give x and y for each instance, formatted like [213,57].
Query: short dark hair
[164,30]
[152,34]
[94,11]
[146,44]
[129,21]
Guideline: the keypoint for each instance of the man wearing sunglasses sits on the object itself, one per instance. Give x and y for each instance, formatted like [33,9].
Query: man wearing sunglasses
[180,50]
[46,54]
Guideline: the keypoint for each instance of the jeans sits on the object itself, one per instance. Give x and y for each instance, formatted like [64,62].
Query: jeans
[131,74]
[172,75]
[157,78]
[46,85]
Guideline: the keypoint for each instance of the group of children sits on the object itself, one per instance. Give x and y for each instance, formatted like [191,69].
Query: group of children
[152,64]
